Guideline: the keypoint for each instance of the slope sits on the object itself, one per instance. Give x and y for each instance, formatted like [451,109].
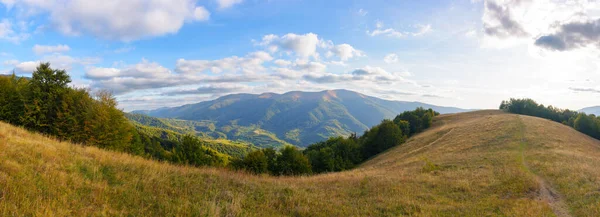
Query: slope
[247,135]
[299,118]
[485,163]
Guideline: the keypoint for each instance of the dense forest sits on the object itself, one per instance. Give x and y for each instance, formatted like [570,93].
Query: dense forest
[45,103]
[584,123]
[339,153]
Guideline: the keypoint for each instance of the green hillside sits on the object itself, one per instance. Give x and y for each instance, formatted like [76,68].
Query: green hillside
[241,135]
[299,118]
[231,148]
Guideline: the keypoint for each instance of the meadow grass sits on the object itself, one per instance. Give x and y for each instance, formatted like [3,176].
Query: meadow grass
[485,163]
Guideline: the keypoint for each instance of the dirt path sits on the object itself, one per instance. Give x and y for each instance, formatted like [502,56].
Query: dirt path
[545,192]
[431,143]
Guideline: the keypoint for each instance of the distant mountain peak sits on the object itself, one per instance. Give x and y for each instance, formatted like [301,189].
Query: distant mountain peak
[297,117]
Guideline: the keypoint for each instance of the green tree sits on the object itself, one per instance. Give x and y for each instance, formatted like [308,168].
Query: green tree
[292,162]
[256,162]
[381,137]
[11,99]
[46,91]
[192,152]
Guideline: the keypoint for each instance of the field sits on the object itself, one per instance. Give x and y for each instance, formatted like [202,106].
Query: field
[485,163]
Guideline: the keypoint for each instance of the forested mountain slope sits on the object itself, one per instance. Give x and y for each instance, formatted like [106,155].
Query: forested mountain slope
[299,118]
[485,163]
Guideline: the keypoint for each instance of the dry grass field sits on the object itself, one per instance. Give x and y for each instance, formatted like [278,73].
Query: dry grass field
[485,163]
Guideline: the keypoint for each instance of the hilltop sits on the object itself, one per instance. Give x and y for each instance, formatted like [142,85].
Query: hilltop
[298,118]
[485,163]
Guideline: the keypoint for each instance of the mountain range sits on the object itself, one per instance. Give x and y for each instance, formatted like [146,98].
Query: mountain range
[298,118]
[591,110]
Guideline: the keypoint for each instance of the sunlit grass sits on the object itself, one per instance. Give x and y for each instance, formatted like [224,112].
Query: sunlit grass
[468,164]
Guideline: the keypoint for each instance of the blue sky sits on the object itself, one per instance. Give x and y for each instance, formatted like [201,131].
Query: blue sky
[155,53]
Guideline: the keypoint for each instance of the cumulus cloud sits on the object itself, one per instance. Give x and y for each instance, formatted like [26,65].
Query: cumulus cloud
[151,75]
[228,3]
[8,32]
[572,35]
[391,58]
[57,61]
[302,45]
[345,52]
[42,49]
[282,63]
[308,45]
[114,19]
[252,63]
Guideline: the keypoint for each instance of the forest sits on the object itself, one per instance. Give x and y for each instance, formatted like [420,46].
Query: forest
[45,103]
[584,123]
[339,153]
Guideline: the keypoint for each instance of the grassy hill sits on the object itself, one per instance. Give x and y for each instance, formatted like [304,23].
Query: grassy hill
[299,118]
[485,163]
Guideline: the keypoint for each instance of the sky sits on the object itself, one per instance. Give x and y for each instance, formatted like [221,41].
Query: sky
[157,53]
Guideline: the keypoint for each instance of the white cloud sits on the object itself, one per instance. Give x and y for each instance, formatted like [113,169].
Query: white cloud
[345,52]
[471,34]
[228,3]
[57,61]
[42,49]
[115,19]
[391,32]
[252,63]
[423,29]
[302,45]
[281,62]
[306,46]
[362,12]
[201,14]
[25,67]
[391,58]
[387,32]
[8,33]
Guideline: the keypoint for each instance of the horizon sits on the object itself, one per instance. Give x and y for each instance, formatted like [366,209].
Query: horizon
[468,54]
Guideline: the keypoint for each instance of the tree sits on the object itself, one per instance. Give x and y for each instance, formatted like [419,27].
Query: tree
[381,137]
[45,94]
[292,162]
[256,162]
[11,99]
[193,153]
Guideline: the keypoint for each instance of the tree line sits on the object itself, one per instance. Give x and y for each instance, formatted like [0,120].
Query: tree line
[584,123]
[338,153]
[45,103]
